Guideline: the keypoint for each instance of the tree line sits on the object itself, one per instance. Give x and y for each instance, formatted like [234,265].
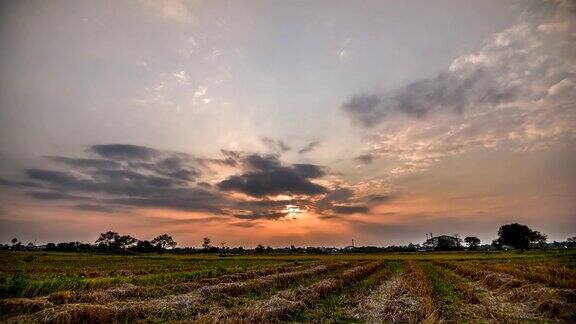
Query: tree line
[516,236]
[107,242]
[510,236]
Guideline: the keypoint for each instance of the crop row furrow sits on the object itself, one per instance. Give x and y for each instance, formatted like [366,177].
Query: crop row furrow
[342,306]
[456,300]
[555,275]
[127,291]
[507,296]
[187,305]
[286,303]
[404,298]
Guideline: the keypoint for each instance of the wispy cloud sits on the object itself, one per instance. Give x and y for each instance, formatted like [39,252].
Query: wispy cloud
[309,147]
[517,90]
[172,10]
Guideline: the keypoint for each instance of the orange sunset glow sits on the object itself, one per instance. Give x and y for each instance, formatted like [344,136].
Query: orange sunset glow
[276,123]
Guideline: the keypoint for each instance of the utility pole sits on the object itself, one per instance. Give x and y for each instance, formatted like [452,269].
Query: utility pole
[352,242]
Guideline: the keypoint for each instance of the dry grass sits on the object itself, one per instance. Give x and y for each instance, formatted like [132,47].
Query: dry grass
[407,298]
[492,288]
[22,305]
[492,280]
[177,306]
[234,289]
[127,290]
[552,274]
[464,290]
[286,303]
[550,302]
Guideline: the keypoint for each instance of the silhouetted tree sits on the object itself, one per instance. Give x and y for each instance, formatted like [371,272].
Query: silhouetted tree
[16,245]
[519,236]
[444,243]
[538,238]
[496,244]
[164,241]
[206,243]
[108,240]
[145,247]
[259,248]
[472,242]
[448,243]
[126,241]
[50,247]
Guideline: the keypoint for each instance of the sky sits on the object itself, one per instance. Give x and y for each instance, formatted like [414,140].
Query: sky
[286,122]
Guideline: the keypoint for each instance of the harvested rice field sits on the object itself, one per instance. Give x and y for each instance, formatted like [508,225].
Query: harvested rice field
[487,287]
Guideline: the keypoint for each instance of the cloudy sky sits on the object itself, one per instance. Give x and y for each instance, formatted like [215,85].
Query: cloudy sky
[286,122]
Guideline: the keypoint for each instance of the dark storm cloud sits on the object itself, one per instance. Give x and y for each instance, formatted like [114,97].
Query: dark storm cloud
[124,152]
[267,177]
[257,162]
[275,182]
[138,177]
[453,92]
[341,209]
[192,199]
[114,182]
[309,170]
[309,148]
[339,195]
[262,163]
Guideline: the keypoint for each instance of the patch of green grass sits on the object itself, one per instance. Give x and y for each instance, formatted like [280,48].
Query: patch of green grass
[19,286]
[260,295]
[448,300]
[334,307]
